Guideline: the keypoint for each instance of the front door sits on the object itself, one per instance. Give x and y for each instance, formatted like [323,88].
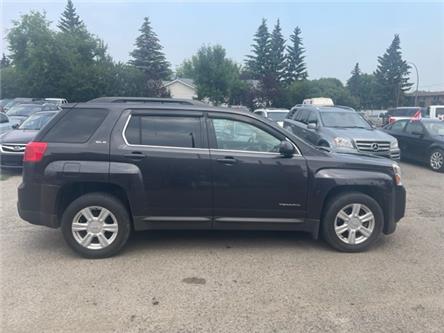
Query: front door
[252,181]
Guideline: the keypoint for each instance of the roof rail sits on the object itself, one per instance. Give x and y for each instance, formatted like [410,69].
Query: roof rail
[145,100]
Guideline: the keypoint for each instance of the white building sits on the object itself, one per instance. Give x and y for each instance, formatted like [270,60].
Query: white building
[181,88]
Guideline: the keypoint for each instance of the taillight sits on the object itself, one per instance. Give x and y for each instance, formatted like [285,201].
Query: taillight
[34,151]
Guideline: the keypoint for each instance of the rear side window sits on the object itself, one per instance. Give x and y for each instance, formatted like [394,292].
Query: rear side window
[167,131]
[76,126]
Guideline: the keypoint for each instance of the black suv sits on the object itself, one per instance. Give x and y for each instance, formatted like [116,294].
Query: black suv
[101,170]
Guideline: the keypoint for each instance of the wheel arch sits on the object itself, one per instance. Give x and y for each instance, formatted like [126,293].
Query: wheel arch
[71,191]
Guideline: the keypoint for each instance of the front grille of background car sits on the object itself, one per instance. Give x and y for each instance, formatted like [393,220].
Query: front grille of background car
[369,146]
[13,147]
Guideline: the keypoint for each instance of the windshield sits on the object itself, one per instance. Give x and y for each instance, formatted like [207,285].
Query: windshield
[36,121]
[343,119]
[277,116]
[434,128]
[23,110]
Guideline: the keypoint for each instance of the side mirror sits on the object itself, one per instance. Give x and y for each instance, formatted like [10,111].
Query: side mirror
[15,126]
[286,149]
[312,126]
[382,115]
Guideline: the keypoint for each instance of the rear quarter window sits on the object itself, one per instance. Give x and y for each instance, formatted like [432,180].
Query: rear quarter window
[76,126]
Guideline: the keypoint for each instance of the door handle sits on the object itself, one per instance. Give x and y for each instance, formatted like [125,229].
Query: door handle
[227,160]
[135,155]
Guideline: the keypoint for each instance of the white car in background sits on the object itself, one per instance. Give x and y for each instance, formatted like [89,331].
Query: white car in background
[276,115]
[436,111]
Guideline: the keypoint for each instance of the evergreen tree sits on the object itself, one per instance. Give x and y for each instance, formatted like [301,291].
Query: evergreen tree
[258,63]
[296,68]
[148,56]
[4,62]
[277,56]
[392,75]
[70,21]
[354,82]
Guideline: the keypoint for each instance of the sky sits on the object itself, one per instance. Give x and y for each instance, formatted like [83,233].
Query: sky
[336,35]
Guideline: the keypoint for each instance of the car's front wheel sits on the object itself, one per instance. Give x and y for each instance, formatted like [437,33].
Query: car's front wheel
[436,160]
[96,225]
[352,222]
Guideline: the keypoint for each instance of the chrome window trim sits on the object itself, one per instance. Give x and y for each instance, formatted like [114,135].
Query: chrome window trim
[152,146]
[297,151]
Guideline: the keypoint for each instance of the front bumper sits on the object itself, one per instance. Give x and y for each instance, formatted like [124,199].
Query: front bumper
[395,209]
[11,161]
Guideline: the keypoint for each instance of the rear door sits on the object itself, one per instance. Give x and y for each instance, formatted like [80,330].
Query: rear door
[171,151]
[252,181]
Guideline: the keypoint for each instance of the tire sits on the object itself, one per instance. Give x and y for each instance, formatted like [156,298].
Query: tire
[366,233]
[436,160]
[102,237]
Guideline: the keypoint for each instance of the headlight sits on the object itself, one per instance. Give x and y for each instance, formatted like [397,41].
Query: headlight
[397,171]
[343,142]
[394,144]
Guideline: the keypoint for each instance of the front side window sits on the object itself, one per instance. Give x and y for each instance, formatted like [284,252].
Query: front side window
[166,131]
[237,135]
[398,126]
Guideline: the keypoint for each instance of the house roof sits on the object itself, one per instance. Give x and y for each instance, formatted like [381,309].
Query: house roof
[187,82]
[426,93]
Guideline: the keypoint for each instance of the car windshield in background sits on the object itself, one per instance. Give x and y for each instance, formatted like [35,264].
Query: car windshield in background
[37,121]
[23,110]
[277,116]
[435,128]
[343,119]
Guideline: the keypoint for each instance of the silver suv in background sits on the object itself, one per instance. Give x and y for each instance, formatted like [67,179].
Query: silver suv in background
[340,128]
[275,115]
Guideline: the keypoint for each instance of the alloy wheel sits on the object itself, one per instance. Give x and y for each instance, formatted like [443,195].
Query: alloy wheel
[436,160]
[94,227]
[354,224]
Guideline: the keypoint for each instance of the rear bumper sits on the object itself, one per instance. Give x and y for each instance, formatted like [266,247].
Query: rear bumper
[37,204]
[396,210]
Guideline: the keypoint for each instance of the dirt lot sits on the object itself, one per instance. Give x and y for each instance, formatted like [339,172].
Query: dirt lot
[229,281]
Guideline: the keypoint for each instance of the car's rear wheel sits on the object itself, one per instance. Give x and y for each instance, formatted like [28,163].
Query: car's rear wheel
[352,222]
[436,160]
[96,225]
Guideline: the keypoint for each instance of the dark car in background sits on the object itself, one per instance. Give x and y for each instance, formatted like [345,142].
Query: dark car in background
[341,129]
[18,113]
[420,140]
[12,143]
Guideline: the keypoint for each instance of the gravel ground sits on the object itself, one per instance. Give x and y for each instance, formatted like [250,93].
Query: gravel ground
[229,281]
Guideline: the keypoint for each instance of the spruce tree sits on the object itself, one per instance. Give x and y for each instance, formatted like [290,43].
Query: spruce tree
[4,62]
[392,75]
[354,82]
[148,56]
[277,56]
[296,68]
[70,22]
[258,63]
